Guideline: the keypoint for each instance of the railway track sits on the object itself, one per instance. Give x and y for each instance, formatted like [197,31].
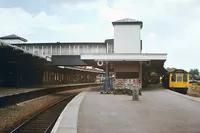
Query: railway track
[44,120]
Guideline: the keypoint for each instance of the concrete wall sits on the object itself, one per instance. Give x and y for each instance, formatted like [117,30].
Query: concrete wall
[129,67]
[127,39]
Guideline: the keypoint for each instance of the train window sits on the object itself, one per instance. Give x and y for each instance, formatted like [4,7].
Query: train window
[173,77]
[185,78]
[179,77]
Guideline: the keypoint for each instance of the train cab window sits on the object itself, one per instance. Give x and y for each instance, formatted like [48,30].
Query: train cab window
[179,77]
[173,77]
[185,78]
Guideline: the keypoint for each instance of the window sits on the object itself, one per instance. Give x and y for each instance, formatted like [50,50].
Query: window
[110,48]
[40,50]
[93,48]
[58,49]
[102,49]
[89,48]
[36,50]
[45,50]
[27,48]
[173,77]
[55,50]
[99,48]
[179,77]
[71,49]
[75,49]
[65,49]
[49,50]
[84,48]
[80,49]
[31,49]
[23,47]
[185,78]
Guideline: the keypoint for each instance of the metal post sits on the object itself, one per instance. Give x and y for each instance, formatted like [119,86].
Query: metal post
[60,50]
[17,77]
[106,47]
[107,76]
[33,49]
[42,50]
[140,77]
[78,50]
[140,73]
[51,50]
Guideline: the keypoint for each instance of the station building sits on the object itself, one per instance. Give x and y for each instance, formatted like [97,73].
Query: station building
[122,55]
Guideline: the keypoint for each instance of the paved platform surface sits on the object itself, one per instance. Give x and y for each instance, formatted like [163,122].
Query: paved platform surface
[157,111]
[11,91]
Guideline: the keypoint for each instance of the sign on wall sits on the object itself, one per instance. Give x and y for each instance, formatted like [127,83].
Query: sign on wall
[126,83]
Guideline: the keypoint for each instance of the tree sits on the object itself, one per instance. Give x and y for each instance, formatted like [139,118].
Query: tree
[194,73]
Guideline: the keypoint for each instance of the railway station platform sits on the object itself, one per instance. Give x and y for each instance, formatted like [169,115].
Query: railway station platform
[158,111]
[14,91]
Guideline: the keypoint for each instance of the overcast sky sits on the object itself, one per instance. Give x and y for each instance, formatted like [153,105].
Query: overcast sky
[170,26]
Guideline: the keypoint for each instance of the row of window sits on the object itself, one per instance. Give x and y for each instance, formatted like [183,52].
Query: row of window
[179,78]
[67,49]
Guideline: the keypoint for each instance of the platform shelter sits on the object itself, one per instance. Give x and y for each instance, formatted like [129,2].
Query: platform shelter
[127,61]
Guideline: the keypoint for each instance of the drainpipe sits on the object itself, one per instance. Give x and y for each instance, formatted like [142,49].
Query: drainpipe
[140,74]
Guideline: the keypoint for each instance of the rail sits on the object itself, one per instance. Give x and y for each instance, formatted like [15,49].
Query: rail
[43,121]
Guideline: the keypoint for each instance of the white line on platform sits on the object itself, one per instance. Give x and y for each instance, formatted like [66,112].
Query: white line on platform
[185,96]
[67,122]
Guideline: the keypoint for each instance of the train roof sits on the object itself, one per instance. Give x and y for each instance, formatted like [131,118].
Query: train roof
[178,71]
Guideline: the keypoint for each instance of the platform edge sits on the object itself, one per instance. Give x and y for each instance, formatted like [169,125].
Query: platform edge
[185,96]
[67,121]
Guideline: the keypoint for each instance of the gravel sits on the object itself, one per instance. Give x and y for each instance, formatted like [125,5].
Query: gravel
[12,116]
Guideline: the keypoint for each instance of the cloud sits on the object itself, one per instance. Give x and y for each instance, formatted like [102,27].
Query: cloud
[31,6]
[170,26]
[72,1]
[175,23]
[25,24]
[152,36]
[110,14]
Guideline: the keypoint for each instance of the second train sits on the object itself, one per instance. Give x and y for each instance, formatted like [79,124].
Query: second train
[177,80]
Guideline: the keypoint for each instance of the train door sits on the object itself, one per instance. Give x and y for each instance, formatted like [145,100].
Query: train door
[179,79]
[172,82]
[185,80]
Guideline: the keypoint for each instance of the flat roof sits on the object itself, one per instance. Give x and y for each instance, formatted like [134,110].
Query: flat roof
[3,43]
[124,56]
[13,36]
[62,43]
[128,21]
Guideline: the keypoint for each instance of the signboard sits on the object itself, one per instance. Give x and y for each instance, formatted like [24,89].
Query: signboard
[136,81]
[119,81]
[126,83]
